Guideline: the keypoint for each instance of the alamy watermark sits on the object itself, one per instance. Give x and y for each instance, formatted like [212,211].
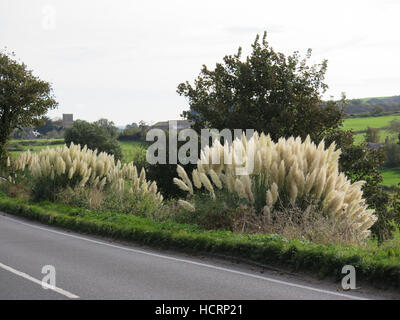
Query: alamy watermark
[48,17]
[349,280]
[49,280]
[189,151]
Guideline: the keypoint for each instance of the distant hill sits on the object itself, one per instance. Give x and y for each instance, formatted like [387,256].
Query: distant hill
[373,106]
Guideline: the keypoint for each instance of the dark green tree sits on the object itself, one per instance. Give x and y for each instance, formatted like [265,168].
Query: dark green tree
[48,126]
[268,92]
[94,137]
[24,99]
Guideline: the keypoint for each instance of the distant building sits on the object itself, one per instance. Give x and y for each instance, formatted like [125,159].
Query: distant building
[163,125]
[176,124]
[67,120]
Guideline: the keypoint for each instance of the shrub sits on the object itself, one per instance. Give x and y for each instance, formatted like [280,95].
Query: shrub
[15,147]
[287,174]
[128,202]
[372,135]
[132,134]
[95,136]
[205,213]
[164,173]
[139,158]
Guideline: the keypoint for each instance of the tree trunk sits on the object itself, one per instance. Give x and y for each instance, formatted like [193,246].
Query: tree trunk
[3,153]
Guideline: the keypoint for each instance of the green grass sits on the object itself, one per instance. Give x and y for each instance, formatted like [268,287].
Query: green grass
[376,264]
[359,138]
[16,147]
[130,149]
[362,123]
[391,177]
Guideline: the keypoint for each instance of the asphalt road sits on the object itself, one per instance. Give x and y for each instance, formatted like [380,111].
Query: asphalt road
[91,268]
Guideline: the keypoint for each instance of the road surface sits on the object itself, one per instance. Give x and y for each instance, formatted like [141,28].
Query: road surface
[87,267]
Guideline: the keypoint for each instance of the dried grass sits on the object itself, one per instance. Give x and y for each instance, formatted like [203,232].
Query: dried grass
[295,223]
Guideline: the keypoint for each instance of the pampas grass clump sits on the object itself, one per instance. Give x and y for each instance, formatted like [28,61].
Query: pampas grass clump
[75,166]
[290,173]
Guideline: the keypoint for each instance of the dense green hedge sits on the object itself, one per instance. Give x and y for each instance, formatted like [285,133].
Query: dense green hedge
[376,265]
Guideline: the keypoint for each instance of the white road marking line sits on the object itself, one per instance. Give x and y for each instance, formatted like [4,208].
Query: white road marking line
[190,262]
[28,277]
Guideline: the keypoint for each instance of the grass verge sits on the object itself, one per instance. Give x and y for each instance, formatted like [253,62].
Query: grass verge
[379,266]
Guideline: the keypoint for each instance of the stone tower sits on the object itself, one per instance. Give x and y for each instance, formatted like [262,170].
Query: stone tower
[68,120]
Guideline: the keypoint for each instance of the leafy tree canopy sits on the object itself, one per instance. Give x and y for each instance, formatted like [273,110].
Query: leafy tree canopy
[268,92]
[109,126]
[24,99]
[93,135]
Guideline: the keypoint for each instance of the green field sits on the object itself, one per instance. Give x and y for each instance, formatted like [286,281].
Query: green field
[16,147]
[362,123]
[383,133]
[391,177]
[130,150]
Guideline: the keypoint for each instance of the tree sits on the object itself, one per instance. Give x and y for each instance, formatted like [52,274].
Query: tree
[24,99]
[133,134]
[268,92]
[394,127]
[109,126]
[49,127]
[142,125]
[378,109]
[94,137]
[133,125]
[372,135]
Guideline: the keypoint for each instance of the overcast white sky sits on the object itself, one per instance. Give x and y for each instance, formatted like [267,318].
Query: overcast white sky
[123,60]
